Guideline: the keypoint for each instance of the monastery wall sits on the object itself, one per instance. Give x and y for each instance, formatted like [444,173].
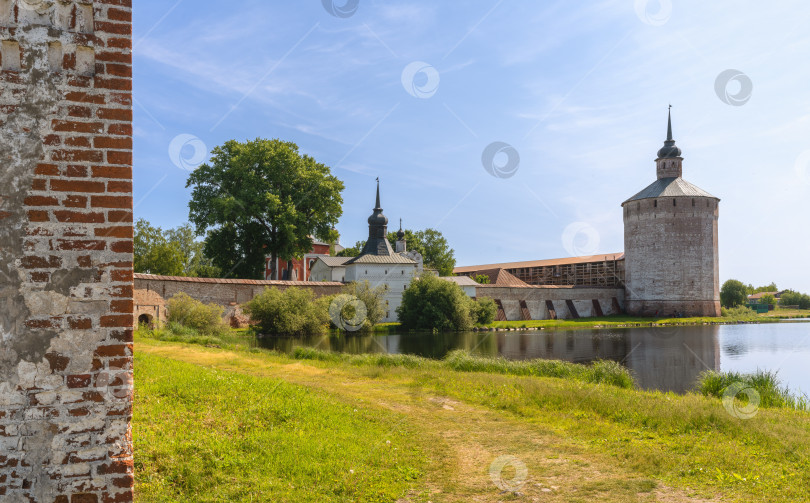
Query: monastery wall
[537,298]
[65,251]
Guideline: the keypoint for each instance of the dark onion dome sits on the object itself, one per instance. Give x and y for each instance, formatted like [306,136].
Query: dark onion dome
[669,150]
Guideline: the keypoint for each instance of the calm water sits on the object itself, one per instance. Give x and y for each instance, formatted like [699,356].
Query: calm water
[664,358]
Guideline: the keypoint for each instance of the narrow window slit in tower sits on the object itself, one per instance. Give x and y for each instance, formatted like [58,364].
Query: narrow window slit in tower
[655,203]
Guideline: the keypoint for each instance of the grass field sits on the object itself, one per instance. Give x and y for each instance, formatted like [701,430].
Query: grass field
[221,425]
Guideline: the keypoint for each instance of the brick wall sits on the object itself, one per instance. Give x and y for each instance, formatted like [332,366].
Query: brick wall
[671,256]
[582,298]
[152,292]
[65,251]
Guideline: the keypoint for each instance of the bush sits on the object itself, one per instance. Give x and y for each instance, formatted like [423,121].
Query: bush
[373,300]
[791,298]
[767,385]
[430,303]
[205,319]
[292,312]
[738,313]
[484,311]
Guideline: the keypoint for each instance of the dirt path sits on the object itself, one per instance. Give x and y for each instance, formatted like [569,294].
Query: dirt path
[470,447]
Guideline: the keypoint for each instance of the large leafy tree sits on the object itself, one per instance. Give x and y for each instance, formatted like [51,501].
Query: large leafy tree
[260,198]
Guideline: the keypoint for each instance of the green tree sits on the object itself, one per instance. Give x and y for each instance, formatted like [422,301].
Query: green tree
[196,263]
[733,293]
[259,198]
[352,251]
[435,250]
[292,312]
[794,298]
[154,253]
[484,310]
[432,245]
[766,288]
[431,303]
[768,300]
[482,279]
[373,300]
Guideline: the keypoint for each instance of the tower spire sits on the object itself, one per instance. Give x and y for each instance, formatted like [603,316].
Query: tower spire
[669,124]
[377,206]
[668,164]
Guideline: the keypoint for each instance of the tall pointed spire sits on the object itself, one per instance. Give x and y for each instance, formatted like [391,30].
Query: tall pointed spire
[377,243]
[669,150]
[669,124]
[669,161]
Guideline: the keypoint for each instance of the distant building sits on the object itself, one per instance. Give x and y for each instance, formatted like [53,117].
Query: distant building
[670,261]
[757,297]
[377,263]
[299,269]
[671,243]
[329,269]
[467,284]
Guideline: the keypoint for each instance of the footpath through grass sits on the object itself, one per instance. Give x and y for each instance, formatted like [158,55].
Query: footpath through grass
[578,441]
[207,435]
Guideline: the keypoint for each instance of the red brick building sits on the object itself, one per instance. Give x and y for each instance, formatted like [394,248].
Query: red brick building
[299,269]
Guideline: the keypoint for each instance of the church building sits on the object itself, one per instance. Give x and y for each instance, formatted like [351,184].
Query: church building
[378,263]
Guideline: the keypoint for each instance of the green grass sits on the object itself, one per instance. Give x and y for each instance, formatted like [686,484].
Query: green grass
[204,435]
[600,372]
[626,441]
[770,391]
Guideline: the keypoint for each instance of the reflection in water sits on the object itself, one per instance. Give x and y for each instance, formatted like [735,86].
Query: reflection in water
[668,359]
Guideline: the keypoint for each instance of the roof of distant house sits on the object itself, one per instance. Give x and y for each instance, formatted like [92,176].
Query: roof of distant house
[460,280]
[394,258]
[334,261]
[501,277]
[759,295]
[541,263]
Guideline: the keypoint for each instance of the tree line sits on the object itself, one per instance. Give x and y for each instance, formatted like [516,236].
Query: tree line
[735,293]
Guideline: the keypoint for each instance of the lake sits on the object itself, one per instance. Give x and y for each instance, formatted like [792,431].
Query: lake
[663,358]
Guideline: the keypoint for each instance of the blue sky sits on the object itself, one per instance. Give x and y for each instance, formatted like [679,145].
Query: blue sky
[414,92]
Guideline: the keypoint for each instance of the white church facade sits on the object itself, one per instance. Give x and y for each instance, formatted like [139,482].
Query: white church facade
[378,263]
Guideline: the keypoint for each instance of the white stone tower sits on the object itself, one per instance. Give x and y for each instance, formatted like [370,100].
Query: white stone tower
[670,244]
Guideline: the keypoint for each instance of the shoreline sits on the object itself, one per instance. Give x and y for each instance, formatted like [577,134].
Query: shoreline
[608,322]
